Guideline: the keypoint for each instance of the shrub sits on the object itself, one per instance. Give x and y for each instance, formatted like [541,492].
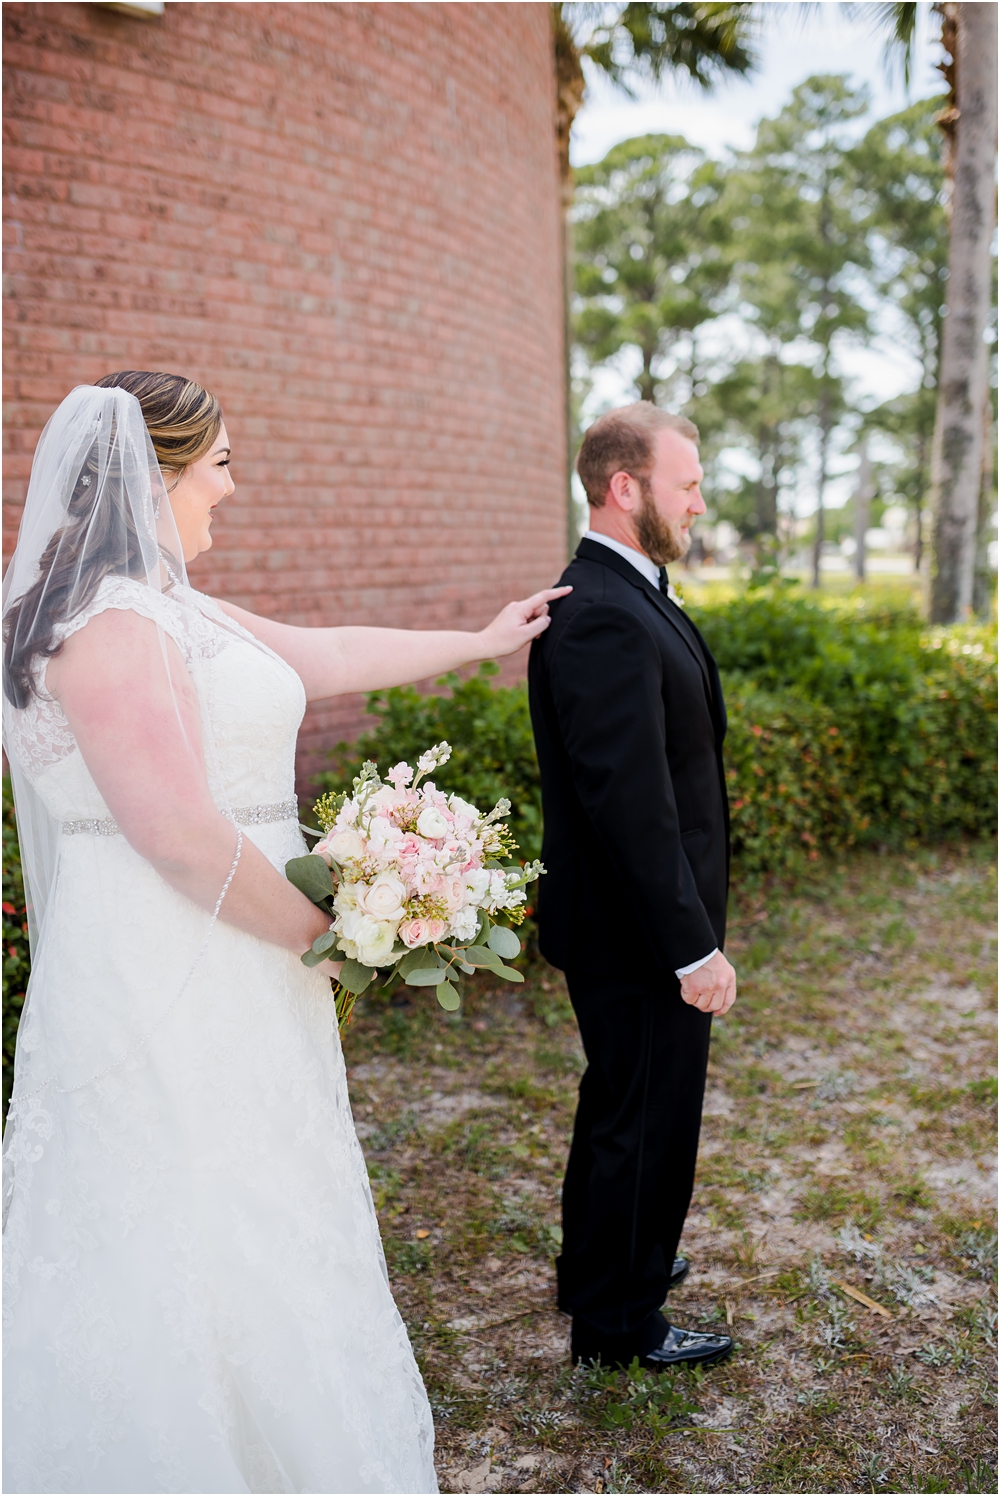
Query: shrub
[848,723]
[16,961]
[909,727]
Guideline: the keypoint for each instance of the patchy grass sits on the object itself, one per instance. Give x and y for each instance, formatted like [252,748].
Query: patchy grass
[848,1144]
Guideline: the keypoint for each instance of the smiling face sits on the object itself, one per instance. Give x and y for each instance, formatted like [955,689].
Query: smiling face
[671,499]
[193,496]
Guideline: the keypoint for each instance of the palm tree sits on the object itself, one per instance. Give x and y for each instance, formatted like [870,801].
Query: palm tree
[963,420]
[643,42]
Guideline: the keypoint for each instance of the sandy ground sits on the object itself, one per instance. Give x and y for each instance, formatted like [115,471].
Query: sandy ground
[843,1220]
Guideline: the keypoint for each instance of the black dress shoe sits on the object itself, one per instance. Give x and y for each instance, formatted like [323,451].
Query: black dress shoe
[686,1348]
[679,1271]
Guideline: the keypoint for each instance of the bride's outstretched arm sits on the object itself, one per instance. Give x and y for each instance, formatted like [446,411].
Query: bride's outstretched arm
[137,726]
[333,661]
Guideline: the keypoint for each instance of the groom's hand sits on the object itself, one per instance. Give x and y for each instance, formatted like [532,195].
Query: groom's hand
[712,988]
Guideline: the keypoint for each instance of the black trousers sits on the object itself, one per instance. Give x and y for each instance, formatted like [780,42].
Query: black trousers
[632,1160]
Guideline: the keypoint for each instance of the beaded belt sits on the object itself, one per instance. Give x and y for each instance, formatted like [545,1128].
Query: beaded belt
[245,815]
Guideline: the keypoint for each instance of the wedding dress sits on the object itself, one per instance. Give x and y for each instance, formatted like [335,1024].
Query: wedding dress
[195,1293]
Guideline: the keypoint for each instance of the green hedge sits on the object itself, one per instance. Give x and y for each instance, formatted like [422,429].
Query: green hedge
[848,724]
[16,961]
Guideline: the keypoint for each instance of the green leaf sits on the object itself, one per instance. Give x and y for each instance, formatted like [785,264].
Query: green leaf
[312,958]
[504,942]
[481,955]
[509,973]
[411,961]
[311,876]
[323,942]
[448,997]
[355,977]
[425,976]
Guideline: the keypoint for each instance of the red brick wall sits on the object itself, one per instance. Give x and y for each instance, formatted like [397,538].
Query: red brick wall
[344,220]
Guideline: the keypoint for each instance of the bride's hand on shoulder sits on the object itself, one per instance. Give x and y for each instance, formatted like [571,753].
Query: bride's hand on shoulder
[519,623]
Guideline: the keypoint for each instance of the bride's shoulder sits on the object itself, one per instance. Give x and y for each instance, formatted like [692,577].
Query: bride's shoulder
[120,594]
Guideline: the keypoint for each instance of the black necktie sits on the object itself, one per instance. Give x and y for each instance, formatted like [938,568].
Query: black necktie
[664,580]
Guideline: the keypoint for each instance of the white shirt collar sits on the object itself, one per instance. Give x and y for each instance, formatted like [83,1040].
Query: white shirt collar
[643,564]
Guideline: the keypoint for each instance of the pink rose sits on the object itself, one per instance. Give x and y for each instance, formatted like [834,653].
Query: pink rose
[414,932]
[454,893]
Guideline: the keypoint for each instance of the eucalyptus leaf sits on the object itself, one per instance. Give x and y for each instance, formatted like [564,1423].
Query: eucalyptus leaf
[312,958]
[470,971]
[504,942]
[311,876]
[355,977]
[323,942]
[481,955]
[448,997]
[426,976]
[510,974]
[410,962]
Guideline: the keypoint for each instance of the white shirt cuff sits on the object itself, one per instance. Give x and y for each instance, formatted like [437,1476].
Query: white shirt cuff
[683,971]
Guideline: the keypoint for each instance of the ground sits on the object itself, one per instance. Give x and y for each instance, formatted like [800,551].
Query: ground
[842,1222]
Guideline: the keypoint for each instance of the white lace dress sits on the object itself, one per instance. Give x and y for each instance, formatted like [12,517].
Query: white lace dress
[195,1295]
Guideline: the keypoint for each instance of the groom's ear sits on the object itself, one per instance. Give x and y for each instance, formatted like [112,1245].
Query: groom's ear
[623,492]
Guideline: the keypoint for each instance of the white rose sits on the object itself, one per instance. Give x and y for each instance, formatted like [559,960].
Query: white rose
[384,899]
[460,807]
[347,846]
[431,823]
[374,939]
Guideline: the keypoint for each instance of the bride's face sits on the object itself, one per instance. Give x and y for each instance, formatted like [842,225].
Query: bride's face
[194,495]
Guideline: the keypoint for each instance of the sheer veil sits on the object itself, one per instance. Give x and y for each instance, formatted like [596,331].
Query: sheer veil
[96,507]
[97,532]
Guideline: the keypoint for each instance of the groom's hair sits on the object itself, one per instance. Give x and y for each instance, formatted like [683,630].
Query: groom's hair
[621,441]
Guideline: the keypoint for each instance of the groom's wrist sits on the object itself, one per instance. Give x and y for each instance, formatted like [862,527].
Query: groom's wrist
[685,971]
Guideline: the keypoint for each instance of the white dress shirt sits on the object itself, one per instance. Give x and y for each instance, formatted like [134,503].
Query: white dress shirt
[651,572]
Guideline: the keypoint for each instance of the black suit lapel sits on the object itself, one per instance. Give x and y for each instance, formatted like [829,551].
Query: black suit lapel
[592,550]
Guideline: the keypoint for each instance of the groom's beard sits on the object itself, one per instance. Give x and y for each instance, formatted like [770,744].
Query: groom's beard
[662,540]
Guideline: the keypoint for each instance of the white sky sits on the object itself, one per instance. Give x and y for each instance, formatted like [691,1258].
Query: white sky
[794,44]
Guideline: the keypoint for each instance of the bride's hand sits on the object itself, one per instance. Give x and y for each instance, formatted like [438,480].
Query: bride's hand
[519,623]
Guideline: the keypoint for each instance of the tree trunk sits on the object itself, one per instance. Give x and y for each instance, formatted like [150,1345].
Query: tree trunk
[958,435]
[646,383]
[825,425]
[918,513]
[862,509]
[985,577]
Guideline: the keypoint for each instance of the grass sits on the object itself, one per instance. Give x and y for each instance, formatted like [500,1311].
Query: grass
[848,1144]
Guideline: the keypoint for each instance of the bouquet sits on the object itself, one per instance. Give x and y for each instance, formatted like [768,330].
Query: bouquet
[415,881]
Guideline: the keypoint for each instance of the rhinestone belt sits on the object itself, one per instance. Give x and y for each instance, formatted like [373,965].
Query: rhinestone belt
[245,815]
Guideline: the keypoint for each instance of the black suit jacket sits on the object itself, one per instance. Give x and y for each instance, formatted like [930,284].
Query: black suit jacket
[629,720]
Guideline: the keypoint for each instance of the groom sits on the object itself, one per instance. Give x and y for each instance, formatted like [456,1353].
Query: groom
[629,720]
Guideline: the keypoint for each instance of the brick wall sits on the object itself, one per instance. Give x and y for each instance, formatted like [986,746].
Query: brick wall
[344,220]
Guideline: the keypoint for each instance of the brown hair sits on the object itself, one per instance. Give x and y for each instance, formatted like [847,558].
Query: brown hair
[182,417]
[621,441]
[98,538]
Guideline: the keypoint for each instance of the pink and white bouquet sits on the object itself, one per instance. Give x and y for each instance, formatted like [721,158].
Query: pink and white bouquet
[415,880]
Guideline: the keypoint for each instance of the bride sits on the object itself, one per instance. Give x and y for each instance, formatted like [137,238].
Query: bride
[195,1296]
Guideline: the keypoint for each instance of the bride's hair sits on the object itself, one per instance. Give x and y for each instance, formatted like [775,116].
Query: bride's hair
[99,538]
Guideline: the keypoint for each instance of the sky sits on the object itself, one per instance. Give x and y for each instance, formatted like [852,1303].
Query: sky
[795,43]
